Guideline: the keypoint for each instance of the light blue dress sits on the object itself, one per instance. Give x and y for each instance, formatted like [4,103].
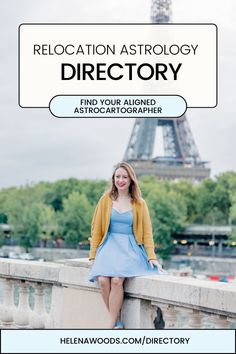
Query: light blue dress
[120,255]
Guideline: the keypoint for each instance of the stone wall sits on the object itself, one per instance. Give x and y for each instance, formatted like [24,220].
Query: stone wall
[162,301]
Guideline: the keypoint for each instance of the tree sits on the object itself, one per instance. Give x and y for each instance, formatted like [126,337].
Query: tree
[59,190]
[27,226]
[47,223]
[205,199]
[188,191]
[214,198]
[92,189]
[232,211]
[168,213]
[3,214]
[75,218]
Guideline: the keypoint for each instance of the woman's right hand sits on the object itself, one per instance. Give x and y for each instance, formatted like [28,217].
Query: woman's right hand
[154,262]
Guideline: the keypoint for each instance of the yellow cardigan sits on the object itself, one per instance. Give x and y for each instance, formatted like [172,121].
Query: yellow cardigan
[142,226]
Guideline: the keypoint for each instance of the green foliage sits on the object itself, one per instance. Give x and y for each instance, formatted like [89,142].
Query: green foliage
[93,190]
[214,199]
[3,214]
[56,192]
[42,211]
[168,213]
[188,192]
[47,223]
[1,237]
[232,212]
[26,225]
[205,198]
[232,237]
[147,183]
[22,213]
[75,218]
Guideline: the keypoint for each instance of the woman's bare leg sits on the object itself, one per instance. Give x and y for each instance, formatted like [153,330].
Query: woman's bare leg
[105,285]
[116,299]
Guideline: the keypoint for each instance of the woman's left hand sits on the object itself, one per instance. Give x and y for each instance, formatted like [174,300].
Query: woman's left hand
[154,262]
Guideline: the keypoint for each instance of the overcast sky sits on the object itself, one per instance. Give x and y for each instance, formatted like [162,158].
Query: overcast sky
[35,146]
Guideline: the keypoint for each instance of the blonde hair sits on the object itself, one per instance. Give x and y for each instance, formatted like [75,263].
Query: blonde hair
[134,189]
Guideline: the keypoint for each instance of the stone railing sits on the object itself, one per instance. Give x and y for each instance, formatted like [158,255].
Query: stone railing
[58,295]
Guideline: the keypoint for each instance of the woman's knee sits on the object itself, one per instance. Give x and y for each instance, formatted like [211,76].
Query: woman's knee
[104,282]
[116,281]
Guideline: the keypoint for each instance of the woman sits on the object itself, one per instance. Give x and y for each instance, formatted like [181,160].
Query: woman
[121,244]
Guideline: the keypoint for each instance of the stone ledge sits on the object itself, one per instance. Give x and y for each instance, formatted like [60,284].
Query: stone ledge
[181,291]
[46,272]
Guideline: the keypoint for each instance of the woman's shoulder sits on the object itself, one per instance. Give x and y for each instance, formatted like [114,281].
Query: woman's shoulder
[105,197]
[140,202]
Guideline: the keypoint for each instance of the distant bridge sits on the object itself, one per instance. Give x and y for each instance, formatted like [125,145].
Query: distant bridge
[208,240]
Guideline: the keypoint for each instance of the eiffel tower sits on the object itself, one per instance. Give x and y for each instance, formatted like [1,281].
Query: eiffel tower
[181,157]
